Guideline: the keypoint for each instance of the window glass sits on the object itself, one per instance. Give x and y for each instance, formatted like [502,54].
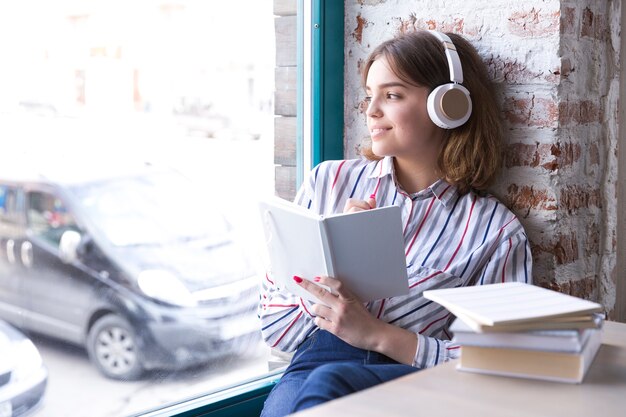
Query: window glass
[48,217]
[137,137]
[8,203]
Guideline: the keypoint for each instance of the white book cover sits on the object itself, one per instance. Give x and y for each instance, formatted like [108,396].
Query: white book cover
[365,250]
[564,340]
[509,303]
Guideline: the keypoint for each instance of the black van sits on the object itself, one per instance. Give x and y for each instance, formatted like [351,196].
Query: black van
[138,268]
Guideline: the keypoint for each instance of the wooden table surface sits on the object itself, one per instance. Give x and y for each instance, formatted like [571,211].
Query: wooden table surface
[443,391]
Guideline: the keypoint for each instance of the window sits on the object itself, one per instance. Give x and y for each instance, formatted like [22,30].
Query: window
[140,134]
[154,123]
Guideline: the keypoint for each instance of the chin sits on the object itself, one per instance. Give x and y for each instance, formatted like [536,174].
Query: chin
[380,150]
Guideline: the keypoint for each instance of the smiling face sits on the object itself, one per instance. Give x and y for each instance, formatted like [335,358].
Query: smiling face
[397,119]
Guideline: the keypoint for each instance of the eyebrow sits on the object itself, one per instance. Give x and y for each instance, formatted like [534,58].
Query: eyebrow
[389,84]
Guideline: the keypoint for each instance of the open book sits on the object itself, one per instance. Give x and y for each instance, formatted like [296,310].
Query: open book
[515,306]
[365,250]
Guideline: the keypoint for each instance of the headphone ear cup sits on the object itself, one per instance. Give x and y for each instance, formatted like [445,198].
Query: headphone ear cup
[449,105]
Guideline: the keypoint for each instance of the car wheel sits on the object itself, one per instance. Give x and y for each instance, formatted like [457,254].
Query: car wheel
[112,346]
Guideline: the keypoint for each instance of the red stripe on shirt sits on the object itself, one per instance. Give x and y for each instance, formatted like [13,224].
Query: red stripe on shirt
[380,310]
[380,171]
[425,279]
[304,307]
[507,223]
[453,347]
[268,278]
[444,191]
[433,322]
[287,329]
[281,305]
[469,217]
[337,174]
[420,226]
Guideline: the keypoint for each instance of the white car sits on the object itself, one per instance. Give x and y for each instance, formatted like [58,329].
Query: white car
[23,376]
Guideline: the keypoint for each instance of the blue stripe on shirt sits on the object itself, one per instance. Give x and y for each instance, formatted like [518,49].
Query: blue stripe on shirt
[280,318]
[357,181]
[411,312]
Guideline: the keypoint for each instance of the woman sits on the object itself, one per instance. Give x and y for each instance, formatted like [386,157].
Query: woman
[433,154]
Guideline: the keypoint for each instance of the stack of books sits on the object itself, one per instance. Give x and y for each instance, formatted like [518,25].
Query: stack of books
[522,330]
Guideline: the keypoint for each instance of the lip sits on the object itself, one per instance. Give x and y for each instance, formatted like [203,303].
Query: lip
[376,131]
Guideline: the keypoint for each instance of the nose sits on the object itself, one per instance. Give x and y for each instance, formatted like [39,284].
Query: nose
[373,108]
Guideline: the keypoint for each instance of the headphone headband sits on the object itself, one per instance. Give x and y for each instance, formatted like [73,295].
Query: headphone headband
[454,62]
[449,105]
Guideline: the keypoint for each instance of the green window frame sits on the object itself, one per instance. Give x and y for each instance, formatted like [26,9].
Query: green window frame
[325,125]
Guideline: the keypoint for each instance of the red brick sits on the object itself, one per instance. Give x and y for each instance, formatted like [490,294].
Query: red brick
[564,155]
[511,72]
[579,112]
[362,106]
[582,288]
[455,25]
[566,67]
[573,198]
[534,23]
[520,154]
[594,25]
[548,156]
[568,20]
[409,24]
[592,241]
[564,248]
[534,111]
[525,198]
[361,23]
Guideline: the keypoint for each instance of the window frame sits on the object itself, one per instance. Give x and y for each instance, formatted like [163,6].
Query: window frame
[319,138]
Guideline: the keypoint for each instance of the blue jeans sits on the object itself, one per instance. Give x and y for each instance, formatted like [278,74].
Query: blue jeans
[324,368]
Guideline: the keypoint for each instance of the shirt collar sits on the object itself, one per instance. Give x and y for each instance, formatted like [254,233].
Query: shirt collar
[442,190]
[382,168]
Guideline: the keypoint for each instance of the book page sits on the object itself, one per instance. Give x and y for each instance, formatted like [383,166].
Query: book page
[293,242]
[367,252]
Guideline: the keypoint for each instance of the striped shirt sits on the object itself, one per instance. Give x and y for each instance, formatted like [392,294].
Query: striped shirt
[451,240]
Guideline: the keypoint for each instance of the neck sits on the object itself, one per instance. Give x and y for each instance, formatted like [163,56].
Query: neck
[412,177]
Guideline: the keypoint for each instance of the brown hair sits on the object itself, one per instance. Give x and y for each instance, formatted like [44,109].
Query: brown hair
[472,153]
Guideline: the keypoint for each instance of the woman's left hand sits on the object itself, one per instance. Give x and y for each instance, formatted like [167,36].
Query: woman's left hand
[344,315]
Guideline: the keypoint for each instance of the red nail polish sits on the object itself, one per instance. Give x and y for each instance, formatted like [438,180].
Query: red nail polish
[297,279]
[317,279]
[373,196]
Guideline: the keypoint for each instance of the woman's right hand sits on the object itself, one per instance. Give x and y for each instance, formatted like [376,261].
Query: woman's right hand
[354,205]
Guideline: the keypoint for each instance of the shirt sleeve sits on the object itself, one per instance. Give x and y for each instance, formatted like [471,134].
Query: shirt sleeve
[511,261]
[285,318]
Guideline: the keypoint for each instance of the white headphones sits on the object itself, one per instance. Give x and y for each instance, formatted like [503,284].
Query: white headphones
[449,105]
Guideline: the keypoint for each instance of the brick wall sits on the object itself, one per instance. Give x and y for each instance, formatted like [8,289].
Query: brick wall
[285,96]
[556,66]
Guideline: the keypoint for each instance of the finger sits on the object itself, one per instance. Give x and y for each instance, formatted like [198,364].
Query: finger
[322,311]
[323,324]
[372,201]
[335,285]
[352,204]
[318,291]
